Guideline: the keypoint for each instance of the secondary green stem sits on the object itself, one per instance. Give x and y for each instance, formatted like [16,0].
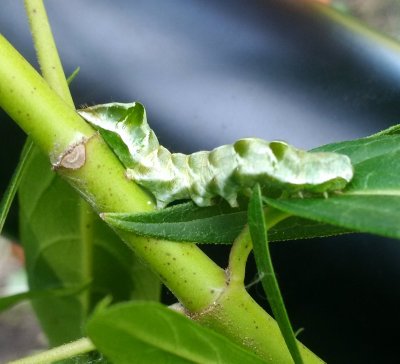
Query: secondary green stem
[235,308]
[47,54]
[66,351]
[242,246]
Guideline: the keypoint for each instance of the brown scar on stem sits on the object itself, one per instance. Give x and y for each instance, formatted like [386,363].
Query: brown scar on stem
[75,155]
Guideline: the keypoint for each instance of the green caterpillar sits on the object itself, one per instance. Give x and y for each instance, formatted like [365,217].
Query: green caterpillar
[225,171]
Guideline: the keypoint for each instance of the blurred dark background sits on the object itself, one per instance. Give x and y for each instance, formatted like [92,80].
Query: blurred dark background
[210,72]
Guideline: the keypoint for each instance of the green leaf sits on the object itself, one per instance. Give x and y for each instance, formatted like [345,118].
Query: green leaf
[9,301]
[370,203]
[152,333]
[363,149]
[392,130]
[295,228]
[258,232]
[66,245]
[12,188]
[217,224]
[211,225]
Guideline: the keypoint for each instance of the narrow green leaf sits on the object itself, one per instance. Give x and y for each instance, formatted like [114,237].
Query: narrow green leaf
[217,224]
[151,333]
[295,228]
[370,202]
[12,187]
[9,301]
[370,214]
[392,130]
[258,231]
[211,225]
[363,149]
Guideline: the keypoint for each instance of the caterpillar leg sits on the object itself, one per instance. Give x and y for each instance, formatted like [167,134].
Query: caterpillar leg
[232,200]
[201,201]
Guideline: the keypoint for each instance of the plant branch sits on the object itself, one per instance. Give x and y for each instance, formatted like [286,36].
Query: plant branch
[194,279]
[66,351]
[242,247]
[46,50]
[235,303]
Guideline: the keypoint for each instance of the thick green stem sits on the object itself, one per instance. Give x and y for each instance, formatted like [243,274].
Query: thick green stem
[186,270]
[195,279]
[239,317]
[66,351]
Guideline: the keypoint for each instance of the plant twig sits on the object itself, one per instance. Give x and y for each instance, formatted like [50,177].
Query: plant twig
[243,246]
[47,54]
[65,351]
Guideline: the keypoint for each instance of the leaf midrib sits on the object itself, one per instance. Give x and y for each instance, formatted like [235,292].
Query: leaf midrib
[373,193]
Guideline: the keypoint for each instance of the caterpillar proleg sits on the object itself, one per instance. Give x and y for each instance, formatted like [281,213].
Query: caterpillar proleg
[226,171]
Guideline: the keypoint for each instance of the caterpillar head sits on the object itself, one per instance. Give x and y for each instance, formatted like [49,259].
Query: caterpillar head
[314,172]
